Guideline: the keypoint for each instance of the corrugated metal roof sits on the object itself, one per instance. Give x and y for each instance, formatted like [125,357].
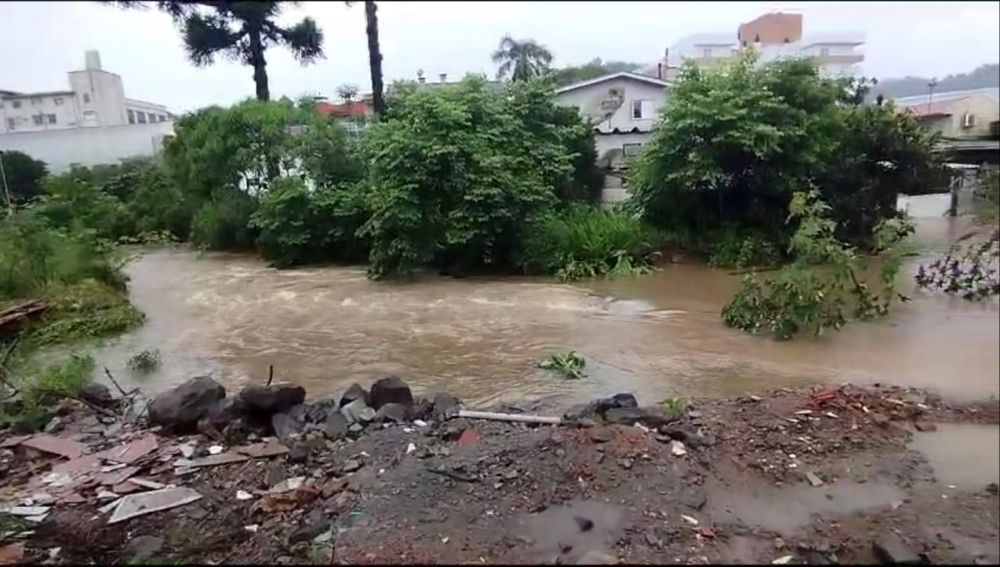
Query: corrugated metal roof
[991,92]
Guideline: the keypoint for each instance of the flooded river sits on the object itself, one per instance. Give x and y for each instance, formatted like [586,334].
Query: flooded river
[658,335]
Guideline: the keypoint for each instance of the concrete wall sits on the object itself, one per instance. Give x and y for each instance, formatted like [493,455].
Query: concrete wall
[101,93]
[984,109]
[588,100]
[89,146]
[23,110]
[771,29]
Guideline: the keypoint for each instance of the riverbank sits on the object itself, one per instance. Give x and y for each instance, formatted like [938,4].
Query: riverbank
[821,475]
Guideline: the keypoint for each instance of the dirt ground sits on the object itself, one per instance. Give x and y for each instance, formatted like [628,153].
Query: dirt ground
[814,476]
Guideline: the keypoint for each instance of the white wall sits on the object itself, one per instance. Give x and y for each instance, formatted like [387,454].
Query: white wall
[44,105]
[89,146]
[588,100]
[105,96]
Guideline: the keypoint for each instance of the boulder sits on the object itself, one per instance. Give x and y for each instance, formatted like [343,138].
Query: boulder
[335,426]
[97,394]
[891,549]
[284,426]
[357,412]
[300,452]
[445,406]
[354,392]
[629,416]
[182,406]
[391,412]
[269,400]
[421,409]
[621,401]
[390,389]
[223,411]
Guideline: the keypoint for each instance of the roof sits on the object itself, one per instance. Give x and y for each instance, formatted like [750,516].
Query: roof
[134,101]
[620,75]
[605,130]
[930,110]
[11,94]
[833,38]
[345,110]
[990,92]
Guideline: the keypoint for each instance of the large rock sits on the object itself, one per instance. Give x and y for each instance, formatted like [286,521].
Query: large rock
[891,549]
[445,406]
[357,412]
[391,412]
[629,416]
[354,392]
[421,409]
[390,389]
[97,394]
[269,400]
[335,426]
[284,426]
[224,411]
[181,407]
[598,408]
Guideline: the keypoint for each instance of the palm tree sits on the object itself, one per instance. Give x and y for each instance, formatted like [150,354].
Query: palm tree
[521,59]
[374,57]
[241,31]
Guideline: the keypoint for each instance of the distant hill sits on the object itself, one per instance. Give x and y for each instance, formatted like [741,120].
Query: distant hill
[981,77]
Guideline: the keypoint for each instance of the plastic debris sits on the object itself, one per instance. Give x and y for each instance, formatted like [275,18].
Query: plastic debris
[243,495]
[783,560]
[814,479]
[677,449]
[215,449]
[410,448]
[419,423]
[25,511]
[689,520]
[154,501]
[287,485]
[252,528]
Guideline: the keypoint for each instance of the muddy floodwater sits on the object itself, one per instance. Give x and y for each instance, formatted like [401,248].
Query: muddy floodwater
[657,335]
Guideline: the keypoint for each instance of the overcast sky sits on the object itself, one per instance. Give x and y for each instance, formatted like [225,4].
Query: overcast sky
[41,41]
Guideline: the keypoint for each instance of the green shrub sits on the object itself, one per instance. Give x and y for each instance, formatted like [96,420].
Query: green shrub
[570,365]
[586,242]
[223,223]
[158,206]
[73,203]
[23,175]
[729,248]
[87,309]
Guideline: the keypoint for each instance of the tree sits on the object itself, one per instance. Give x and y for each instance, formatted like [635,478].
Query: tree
[23,174]
[573,74]
[374,57]
[241,31]
[347,93]
[521,59]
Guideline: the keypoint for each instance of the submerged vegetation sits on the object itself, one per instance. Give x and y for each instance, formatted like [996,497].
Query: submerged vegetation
[570,365]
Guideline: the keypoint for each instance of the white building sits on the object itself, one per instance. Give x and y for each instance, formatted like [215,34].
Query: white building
[772,36]
[624,108]
[95,98]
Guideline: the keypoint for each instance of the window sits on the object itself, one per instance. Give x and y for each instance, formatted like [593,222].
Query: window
[642,109]
[707,52]
[37,119]
[89,115]
[10,124]
[58,101]
[141,116]
[51,118]
[131,117]
[824,51]
[86,98]
[631,150]
[163,118]
[15,103]
[36,101]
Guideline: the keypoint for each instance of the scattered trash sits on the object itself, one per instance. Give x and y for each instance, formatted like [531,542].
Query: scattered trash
[783,560]
[419,423]
[677,449]
[215,449]
[410,448]
[804,412]
[287,485]
[188,449]
[25,511]
[243,495]
[689,520]
[445,539]
[814,479]
[260,450]
[147,483]
[641,427]
[830,414]
[252,528]
[106,495]
[154,501]
[468,437]
[212,460]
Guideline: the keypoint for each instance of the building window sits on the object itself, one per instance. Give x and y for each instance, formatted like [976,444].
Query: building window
[10,124]
[86,98]
[58,101]
[706,52]
[36,101]
[824,51]
[15,103]
[631,150]
[642,109]
[141,117]
[51,118]
[37,119]
[163,118]
[131,117]
[89,115]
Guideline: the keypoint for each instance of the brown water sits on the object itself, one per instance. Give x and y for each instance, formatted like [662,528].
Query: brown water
[657,335]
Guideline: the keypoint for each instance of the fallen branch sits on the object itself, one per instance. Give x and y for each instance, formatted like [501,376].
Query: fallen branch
[270,374]
[509,417]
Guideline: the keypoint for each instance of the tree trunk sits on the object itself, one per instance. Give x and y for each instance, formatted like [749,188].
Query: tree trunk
[259,64]
[374,57]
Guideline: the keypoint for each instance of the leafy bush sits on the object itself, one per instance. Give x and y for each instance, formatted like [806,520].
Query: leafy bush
[737,141]
[457,174]
[814,291]
[71,202]
[223,223]
[23,174]
[144,361]
[299,226]
[729,248]
[586,242]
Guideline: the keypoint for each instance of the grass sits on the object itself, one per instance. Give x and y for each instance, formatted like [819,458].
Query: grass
[675,406]
[85,310]
[39,385]
[570,365]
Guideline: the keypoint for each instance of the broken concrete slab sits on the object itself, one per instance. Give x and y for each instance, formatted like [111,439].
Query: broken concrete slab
[145,483]
[56,445]
[144,503]
[116,477]
[890,548]
[814,479]
[132,451]
[260,450]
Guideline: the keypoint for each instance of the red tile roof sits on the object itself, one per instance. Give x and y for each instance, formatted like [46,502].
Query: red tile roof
[344,110]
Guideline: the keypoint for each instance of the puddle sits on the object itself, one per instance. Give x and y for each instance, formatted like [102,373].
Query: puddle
[577,528]
[966,455]
[785,509]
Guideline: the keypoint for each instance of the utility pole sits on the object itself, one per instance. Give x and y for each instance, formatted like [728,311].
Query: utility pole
[930,93]
[6,190]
